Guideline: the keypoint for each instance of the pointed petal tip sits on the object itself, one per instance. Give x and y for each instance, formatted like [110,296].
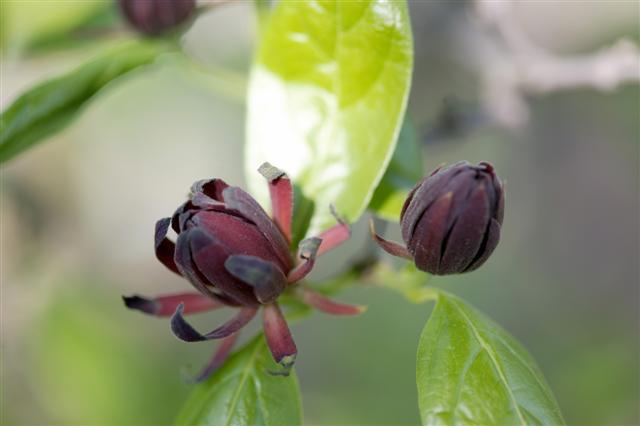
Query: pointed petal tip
[329,306]
[390,247]
[141,304]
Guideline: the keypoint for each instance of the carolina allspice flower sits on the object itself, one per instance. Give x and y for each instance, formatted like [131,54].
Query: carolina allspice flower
[237,256]
[451,219]
[154,17]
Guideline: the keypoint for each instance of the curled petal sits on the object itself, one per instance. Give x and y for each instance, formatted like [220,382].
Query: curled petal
[165,248]
[390,247]
[238,200]
[279,339]
[211,188]
[219,357]
[281,193]
[307,250]
[184,331]
[335,235]
[165,306]
[266,278]
[324,304]
[488,245]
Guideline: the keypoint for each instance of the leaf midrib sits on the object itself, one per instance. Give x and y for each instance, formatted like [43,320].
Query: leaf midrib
[485,346]
[243,378]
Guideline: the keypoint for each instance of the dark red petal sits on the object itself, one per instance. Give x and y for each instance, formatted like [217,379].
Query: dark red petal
[265,277]
[491,241]
[279,339]
[236,199]
[307,250]
[209,255]
[219,357]
[429,234]
[281,192]
[334,236]
[185,264]
[411,195]
[212,188]
[165,306]
[466,236]
[390,247]
[324,304]
[165,248]
[184,331]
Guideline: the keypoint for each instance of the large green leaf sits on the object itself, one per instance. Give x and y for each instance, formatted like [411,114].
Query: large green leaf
[404,171]
[327,96]
[244,392]
[470,371]
[49,107]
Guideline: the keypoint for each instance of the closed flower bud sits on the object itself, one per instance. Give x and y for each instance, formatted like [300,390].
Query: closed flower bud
[154,17]
[451,220]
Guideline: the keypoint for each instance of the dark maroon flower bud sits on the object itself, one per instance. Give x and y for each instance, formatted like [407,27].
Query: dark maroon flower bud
[236,255]
[154,17]
[451,220]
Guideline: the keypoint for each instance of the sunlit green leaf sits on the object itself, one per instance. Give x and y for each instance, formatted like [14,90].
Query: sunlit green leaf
[404,171]
[47,108]
[470,371]
[326,100]
[244,392]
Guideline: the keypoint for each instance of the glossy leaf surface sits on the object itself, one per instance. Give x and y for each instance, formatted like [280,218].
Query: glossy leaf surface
[244,392]
[327,97]
[472,372]
[44,110]
[404,171]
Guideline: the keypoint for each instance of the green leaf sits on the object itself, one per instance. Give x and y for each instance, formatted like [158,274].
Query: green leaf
[47,108]
[327,96]
[404,171]
[243,392]
[471,371]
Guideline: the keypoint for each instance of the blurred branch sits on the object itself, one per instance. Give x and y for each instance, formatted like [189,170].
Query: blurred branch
[512,65]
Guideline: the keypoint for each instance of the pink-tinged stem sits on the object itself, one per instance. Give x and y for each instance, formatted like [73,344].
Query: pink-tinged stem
[334,236]
[165,306]
[219,357]
[324,304]
[279,339]
[307,251]
[390,247]
[281,193]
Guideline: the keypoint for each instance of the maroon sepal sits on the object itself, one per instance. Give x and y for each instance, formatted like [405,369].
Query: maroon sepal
[390,247]
[165,248]
[281,193]
[219,357]
[278,336]
[165,306]
[326,305]
[266,278]
[336,235]
[307,250]
[184,331]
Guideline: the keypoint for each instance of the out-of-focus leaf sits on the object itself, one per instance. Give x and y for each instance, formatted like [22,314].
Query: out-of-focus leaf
[327,97]
[404,171]
[50,106]
[31,25]
[470,371]
[244,392]
[408,281]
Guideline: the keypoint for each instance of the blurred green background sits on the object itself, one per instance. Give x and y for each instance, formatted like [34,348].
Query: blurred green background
[78,213]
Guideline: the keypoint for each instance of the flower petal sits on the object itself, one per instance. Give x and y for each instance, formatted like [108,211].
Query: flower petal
[335,235]
[237,199]
[219,357]
[265,277]
[165,306]
[307,250]
[165,248]
[184,331]
[281,192]
[390,247]
[278,336]
[326,305]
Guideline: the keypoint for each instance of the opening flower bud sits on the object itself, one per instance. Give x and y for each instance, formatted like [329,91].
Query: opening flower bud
[154,17]
[451,220]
